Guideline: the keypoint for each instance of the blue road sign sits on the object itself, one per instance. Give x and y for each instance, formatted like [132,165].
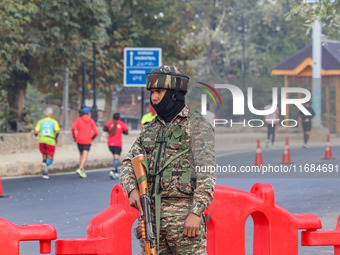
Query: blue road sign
[138,62]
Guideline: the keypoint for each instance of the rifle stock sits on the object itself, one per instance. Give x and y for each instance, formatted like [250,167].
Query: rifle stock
[146,221]
[139,172]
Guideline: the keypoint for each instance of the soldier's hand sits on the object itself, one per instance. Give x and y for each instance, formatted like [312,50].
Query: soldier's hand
[192,225]
[134,199]
[138,232]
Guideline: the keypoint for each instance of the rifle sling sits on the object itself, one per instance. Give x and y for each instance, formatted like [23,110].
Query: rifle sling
[141,179]
[158,209]
[157,188]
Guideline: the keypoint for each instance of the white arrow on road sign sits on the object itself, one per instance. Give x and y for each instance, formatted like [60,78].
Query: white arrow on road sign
[131,58]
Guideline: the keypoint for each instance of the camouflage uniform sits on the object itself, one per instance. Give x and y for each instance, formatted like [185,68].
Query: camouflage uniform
[174,152]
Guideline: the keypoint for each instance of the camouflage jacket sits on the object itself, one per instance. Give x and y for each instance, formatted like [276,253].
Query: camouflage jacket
[182,152]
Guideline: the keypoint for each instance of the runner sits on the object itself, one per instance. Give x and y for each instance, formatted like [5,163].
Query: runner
[86,132]
[115,128]
[48,130]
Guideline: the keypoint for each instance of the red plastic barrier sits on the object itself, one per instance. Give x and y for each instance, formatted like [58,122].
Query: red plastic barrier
[11,235]
[275,229]
[323,238]
[109,232]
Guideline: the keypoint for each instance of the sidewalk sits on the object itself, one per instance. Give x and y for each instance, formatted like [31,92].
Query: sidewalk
[66,157]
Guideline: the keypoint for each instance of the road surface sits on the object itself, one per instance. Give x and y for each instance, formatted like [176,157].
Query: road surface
[69,203]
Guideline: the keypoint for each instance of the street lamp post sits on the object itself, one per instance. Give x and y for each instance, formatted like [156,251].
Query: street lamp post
[316,81]
[243,29]
[83,84]
[65,99]
[94,112]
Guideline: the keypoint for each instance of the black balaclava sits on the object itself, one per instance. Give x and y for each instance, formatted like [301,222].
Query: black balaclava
[170,105]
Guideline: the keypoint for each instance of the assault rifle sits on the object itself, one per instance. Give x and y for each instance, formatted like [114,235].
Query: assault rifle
[146,221]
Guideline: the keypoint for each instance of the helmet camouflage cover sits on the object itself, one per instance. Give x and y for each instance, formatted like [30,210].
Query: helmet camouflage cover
[167,77]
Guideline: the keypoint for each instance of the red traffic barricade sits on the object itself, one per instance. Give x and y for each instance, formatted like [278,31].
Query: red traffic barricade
[11,235]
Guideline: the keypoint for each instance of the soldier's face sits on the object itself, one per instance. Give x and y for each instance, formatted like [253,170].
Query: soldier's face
[157,95]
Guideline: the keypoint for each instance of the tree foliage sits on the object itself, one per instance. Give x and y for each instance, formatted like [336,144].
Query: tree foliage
[326,11]
[14,15]
[268,37]
[39,38]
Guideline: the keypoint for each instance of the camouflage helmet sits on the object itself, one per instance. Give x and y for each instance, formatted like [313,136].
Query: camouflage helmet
[167,77]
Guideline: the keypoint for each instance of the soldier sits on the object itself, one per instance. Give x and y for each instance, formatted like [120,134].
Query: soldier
[179,148]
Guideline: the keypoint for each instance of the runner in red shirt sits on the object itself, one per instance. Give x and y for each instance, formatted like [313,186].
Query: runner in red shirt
[115,128]
[86,132]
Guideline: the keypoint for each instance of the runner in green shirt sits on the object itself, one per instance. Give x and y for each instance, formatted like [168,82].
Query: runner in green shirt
[48,130]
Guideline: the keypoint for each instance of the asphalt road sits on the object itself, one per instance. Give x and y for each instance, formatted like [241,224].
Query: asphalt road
[68,202]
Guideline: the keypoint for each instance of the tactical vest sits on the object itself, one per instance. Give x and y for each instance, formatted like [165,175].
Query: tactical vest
[172,143]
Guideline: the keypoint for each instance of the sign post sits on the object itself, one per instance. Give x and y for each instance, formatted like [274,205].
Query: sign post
[316,77]
[138,62]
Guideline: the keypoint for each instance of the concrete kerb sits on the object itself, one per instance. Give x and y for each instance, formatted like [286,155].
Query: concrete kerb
[228,141]
[18,161]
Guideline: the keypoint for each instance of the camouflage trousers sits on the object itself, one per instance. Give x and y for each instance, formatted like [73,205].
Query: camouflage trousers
[171,240]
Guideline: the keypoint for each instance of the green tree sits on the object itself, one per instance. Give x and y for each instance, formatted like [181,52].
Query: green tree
[268,39]
[14,15]
[58,34]
[326,11]
[53,35]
